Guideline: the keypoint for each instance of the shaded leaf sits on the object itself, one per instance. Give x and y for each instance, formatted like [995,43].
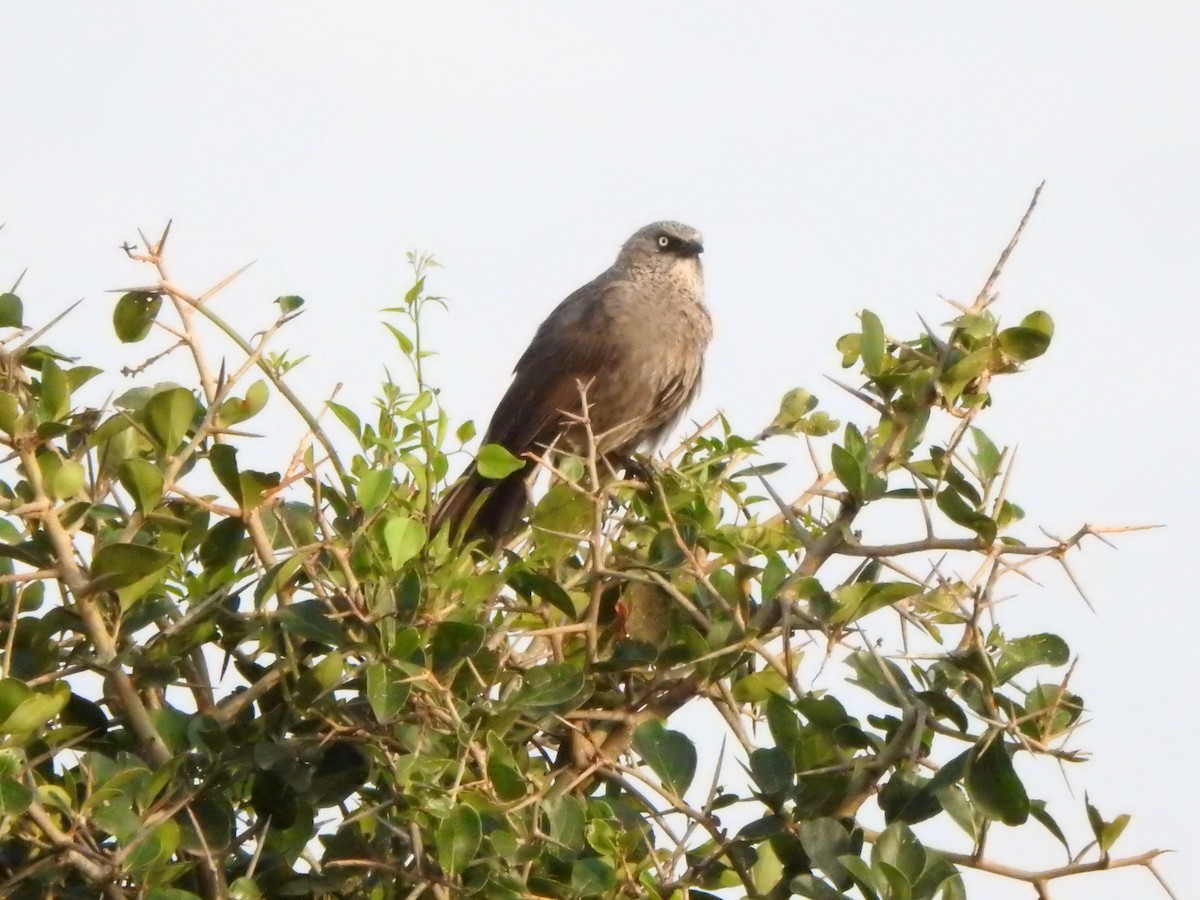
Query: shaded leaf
[849,472]
[591,876]
[12,311]
[169,415]
[993,785]
[670,754]
[458,838]
[387,690]
[1022,653]
[548,687]
[115,566]
[144,482]
[134,315]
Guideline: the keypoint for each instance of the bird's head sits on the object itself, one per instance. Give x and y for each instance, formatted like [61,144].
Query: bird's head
[663,245]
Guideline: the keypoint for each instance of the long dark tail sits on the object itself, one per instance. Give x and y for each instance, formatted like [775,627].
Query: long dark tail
[483,508]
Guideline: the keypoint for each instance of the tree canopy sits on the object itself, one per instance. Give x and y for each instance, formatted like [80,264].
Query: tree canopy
[220,681]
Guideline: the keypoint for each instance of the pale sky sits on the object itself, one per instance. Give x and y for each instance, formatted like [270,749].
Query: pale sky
[835,158]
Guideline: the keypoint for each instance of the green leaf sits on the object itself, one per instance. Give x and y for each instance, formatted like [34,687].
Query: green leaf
[168,416]
[387,691]
[759,686]
[453,642]
[254,487]
[404,538]
[494,461]
[899,848]
[549,687]
[529,583]
[772,770]
[465,432]
[458,838]
[825,840]
[670,754]
[36,709]
[782,722]
[502,770]
[373,487]
[11,311]
[987,457]
[993,785]
[849,472]
[793,407]
[872,347]
[54,402]
[848,345]
[1030,339]
[347,417]
[881,677]
[1106,833]
[277,577]
[155,848]
[866,879]
[310,619]
[1034,650]
[858,600]
[144,482]
[950,502]
[15,797]
[247,488]
[244,888]
[234,410]
[812,887]
[1050,710]
[68,480]
[134,314]
[591,876]
[289,303]
[1037,809]
[223,459]
[1111,831]
[115,566]
[9,410]
[222,545]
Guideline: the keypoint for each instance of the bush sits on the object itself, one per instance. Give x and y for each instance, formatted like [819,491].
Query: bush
[219,681]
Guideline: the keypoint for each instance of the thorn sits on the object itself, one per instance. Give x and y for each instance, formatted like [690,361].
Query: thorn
[203,298]
[1078,587]
[20,278]
[162,241]
[37,334]
[870,401]
[938,344]
[983,300]
[152,289]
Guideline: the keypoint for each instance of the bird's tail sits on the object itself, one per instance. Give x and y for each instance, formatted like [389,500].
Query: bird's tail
[483,508]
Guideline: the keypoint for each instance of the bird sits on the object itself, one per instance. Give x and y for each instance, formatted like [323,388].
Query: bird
[632,340]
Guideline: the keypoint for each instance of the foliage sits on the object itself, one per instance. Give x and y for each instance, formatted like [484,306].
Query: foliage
[219,681]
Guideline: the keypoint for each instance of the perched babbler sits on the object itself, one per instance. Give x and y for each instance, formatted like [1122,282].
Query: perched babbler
[633,338]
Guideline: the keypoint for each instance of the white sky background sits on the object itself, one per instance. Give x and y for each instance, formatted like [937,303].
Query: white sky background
[834,159]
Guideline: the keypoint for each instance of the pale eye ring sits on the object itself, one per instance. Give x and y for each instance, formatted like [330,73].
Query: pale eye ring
[664,241]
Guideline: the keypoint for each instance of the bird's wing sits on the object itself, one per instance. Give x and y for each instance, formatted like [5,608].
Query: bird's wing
[573,345]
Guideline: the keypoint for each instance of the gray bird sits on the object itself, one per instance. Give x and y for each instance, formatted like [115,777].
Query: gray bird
[634,337]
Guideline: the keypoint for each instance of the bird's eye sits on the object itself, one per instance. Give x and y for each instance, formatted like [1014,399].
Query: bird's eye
[664,241]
